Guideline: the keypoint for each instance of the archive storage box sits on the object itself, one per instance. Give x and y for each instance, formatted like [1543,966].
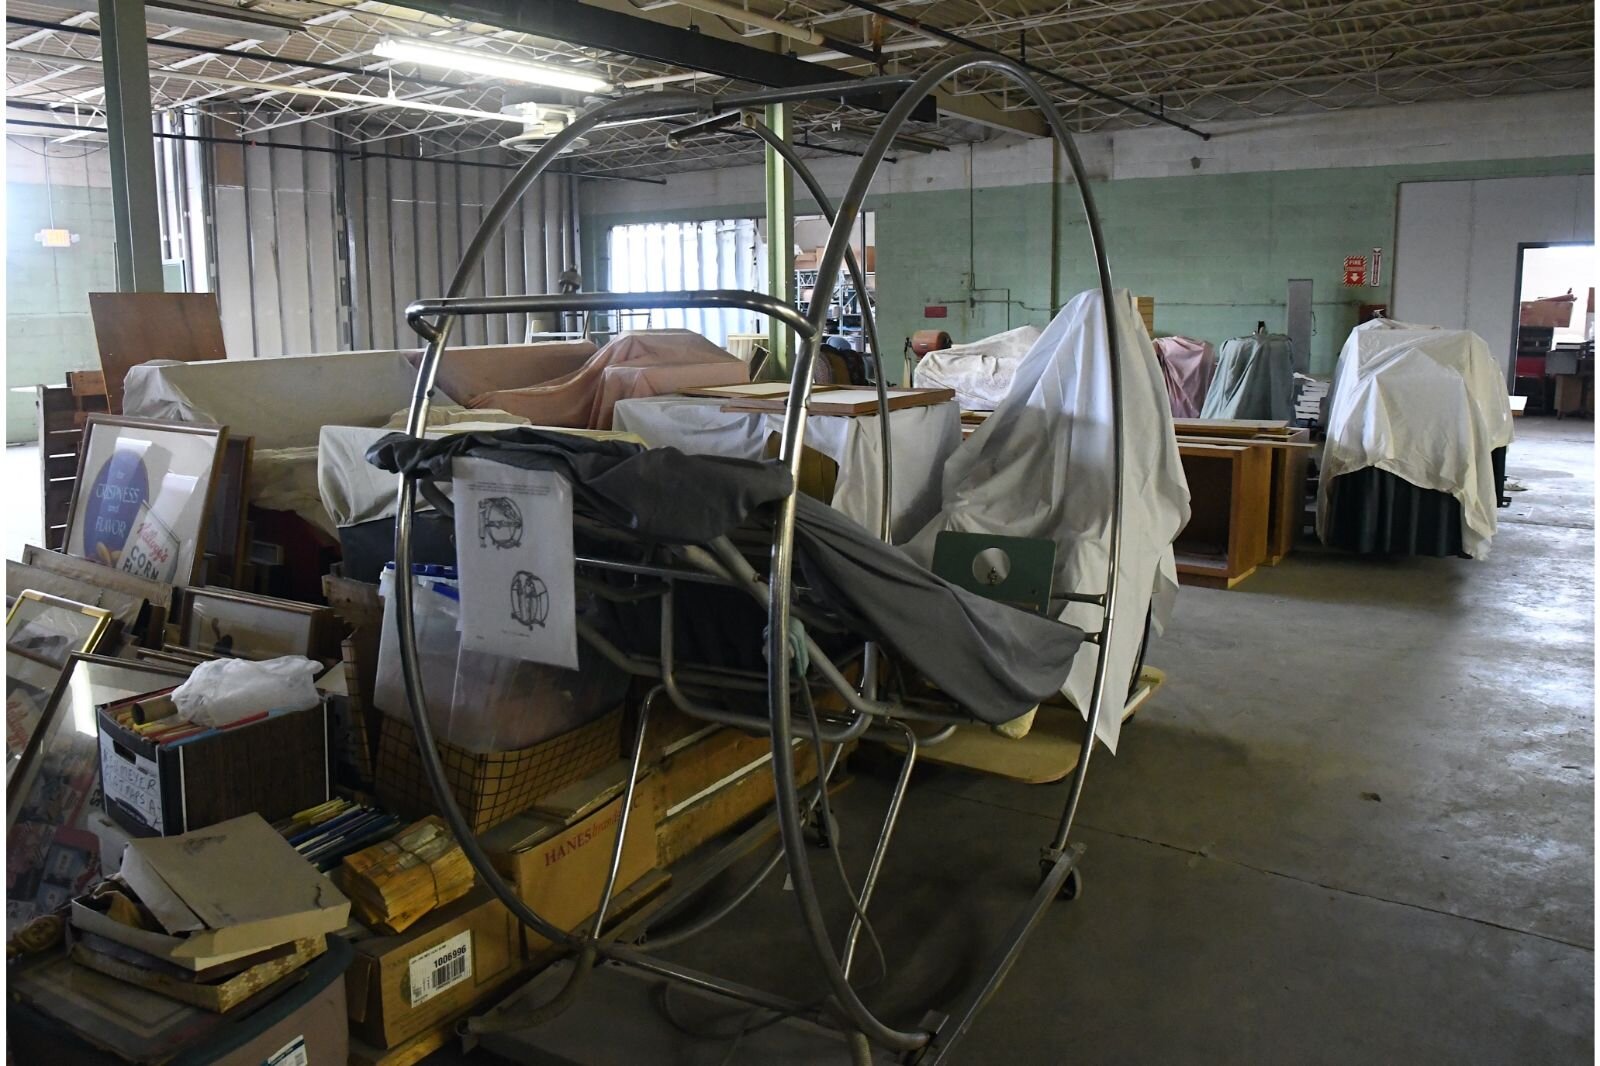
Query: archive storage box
[273,767]
[491,786]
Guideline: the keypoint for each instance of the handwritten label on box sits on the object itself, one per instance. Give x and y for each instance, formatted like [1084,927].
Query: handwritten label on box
[135,783]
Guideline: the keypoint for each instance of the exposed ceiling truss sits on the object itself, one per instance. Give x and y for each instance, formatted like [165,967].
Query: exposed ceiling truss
[1195,60]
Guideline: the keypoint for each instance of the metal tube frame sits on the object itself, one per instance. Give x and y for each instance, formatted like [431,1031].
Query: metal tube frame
[433,319]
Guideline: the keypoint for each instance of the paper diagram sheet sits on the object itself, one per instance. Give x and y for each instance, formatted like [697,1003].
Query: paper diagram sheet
[515,558]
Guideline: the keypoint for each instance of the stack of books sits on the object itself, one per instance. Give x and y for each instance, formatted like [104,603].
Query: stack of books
[325,834]
[393,884]
[1310,394]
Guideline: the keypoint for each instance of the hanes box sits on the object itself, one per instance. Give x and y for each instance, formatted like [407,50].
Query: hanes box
[560,869]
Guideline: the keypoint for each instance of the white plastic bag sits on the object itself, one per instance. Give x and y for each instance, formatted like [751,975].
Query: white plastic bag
[222,691]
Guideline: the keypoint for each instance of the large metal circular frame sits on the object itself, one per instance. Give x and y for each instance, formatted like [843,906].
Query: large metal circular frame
[791,828]
[780,580]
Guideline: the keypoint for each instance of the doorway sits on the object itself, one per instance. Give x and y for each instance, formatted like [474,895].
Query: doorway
[1553,328]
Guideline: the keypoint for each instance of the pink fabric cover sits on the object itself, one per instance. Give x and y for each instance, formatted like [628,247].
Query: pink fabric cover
[466,374]
[633,365]
[1187,364]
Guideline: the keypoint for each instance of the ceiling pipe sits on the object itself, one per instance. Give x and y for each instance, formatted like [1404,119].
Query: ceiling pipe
[966,42]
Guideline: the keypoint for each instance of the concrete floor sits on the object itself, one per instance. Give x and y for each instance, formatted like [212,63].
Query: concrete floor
[1356,826]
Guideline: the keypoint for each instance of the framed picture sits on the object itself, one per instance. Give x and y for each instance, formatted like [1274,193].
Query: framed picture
[42,633]
[226,525]
[125,609]
[140,501]
[52,852]
[224,622]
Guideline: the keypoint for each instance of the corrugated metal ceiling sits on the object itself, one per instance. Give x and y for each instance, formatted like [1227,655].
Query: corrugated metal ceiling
[1197,61]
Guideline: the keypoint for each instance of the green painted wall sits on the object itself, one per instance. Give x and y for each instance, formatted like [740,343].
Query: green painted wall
[1215,251]
[48,331]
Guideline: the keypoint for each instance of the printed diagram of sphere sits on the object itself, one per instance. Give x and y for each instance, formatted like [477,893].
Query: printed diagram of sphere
[530,600]
[499,522]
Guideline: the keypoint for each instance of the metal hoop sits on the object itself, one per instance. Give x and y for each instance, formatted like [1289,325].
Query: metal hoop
[780,584]
[781,577]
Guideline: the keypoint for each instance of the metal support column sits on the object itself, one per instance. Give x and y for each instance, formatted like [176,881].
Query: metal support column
[780,236]
[126,59]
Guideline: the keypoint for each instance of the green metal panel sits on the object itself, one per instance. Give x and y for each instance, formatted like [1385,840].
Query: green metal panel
[1012,570]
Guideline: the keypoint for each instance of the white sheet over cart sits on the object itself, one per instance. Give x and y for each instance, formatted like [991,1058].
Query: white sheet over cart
[1041,466]
[1426,404]
[980,372]
[922,437]
[353,491]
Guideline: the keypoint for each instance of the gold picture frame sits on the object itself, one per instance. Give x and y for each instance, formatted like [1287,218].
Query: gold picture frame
[43,632]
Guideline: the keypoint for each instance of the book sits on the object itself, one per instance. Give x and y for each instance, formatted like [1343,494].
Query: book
[396,882]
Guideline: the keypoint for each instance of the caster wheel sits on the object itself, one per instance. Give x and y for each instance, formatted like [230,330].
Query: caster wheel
[1071,888]
[819,834]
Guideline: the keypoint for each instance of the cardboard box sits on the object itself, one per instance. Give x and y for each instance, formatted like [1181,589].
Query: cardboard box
[399,986]
[491,786]
[220,893]
[559,870]
[273,767]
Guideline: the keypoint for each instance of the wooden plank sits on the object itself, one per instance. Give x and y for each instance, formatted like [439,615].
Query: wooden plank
[1228,426]
[86,384]
[1242,442]
[1287,502]
[850,401]
[1248,511]
[1049,751]
[682,833]
[134,327]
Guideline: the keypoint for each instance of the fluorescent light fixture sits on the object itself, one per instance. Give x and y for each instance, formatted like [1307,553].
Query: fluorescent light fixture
[474,61]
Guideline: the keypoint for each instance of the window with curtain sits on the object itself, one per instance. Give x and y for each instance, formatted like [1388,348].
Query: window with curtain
[663,256]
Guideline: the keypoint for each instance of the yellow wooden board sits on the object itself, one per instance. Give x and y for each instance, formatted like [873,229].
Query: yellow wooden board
[1049,751]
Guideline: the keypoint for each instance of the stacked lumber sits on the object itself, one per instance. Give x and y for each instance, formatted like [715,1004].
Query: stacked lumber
[394,883]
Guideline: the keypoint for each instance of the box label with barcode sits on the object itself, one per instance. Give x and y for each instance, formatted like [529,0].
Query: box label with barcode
[291,1054]
[440,968]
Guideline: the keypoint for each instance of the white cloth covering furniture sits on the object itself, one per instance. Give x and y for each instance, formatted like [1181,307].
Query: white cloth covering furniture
[923,439]
[980,372]
[1426,404]
[1041,466]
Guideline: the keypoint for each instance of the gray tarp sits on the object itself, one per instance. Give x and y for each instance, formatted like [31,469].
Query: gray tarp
[995,661]
[1254,379]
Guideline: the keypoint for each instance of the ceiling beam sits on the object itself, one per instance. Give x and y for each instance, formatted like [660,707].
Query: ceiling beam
[681,37]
